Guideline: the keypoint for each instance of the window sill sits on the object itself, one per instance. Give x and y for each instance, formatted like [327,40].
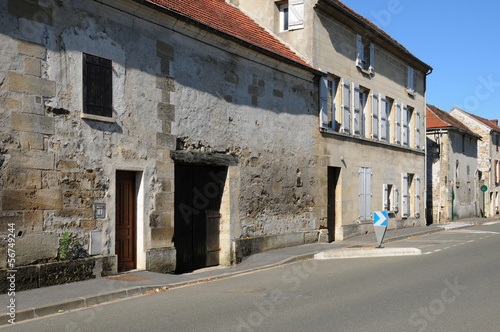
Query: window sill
[370,71]
[100,118]
[411,92]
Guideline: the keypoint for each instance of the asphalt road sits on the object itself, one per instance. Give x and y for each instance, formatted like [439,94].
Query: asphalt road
[453,286]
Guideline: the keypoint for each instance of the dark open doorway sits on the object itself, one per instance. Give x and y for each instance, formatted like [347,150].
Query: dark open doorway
[333,179]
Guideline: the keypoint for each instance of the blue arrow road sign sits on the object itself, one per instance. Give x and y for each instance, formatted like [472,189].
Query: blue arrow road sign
[380,218]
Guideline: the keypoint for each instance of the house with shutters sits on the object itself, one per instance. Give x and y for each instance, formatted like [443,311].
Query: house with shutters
[370,151]
[152,134]
[453,177]
[488,154]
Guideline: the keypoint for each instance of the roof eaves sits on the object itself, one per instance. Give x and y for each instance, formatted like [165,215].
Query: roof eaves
[228,36]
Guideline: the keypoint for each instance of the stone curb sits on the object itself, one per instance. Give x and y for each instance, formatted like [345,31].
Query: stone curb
[81,302]
[367,253]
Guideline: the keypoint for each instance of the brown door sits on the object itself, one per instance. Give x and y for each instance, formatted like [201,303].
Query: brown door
[125,220]
[333,178]
[198,194]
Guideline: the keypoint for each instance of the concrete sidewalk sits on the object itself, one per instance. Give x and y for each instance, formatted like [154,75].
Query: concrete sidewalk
[49,300]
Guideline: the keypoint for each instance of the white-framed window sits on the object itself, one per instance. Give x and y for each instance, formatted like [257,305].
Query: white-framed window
[291,15]
[407,115]
[410,80]
[385,104]
[329,119]
[390,198]
[405,191]
[365,194]
[365,55]
[410,195]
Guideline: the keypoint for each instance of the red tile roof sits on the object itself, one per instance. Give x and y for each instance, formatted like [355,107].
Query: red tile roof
[437,118]
[225,18]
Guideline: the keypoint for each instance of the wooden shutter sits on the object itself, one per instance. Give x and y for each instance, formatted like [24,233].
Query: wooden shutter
[346,107]
[383,117]
[417,196]
[361,194]
[398,123]
[396,198]
[375,116]
[356,109]
[410,79]
[404,195]
[368,193]
[417,129]
[360,53]
[405,125]
[323,102]
[97,86]
[295,14]
[372,59]
[385,197]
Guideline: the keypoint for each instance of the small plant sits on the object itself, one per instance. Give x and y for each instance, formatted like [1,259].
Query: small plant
[63,252]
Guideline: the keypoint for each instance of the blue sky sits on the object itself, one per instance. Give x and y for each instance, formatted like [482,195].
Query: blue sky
[459,39]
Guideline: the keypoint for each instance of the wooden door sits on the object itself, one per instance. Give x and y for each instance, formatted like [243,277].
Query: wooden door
[333,178]
[125,220]
[198,194]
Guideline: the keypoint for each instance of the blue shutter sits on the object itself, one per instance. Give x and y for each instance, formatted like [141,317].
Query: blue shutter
[398,123]
[383,118]
[396,199]
[417,196]
[417,129]
[368,193]
[346,107]
[404,195]
[385,197]
[323,102]
[405,125]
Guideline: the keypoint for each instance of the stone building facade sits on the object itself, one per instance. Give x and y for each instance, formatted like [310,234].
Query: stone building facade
[152,136]
[452,168]
[370,142]
[488,150]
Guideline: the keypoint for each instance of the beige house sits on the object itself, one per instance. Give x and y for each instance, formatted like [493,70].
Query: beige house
[452,168]
[370,141]
[488,150]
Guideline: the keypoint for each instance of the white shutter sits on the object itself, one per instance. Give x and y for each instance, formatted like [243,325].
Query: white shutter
[398,123]
[410,79]
[295,14]
[405,125]
[368,193]
[417,129]
[375,110]
[360,52]
[417,196]
[356,109]
[323,102]
[372,59]
[385,197]
[383,118]
[404,195]
[346,107]
[362,207]
[396,199]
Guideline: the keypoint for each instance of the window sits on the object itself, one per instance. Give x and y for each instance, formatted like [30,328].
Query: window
[385,117]
[417,129]
[397,124]
[292,15]
[497,172]
[359,96]
[375,115]
[410,193]
[365,54]
[365,196]
[390,198]
[328,93]
[97,86]
[409,82]
[346,107]
[407,114]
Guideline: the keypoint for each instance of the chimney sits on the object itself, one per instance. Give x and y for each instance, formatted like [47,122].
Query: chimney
[495,122]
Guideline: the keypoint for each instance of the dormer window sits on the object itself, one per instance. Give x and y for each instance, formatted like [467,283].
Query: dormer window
[365,55]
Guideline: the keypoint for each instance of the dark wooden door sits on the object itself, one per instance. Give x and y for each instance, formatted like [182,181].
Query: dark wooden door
[125,220]
[333,178]
[198,194]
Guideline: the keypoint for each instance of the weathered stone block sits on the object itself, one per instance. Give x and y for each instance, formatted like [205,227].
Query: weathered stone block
[43,199]
[165,83]
[161,237]
[165,140]
[88,223]
[27,277]
[33,104]
[32,66]
[74,213]
[34,160]
[164,50]
[32,123]
[165,170]
[277,93]
[165,96]
[164,201]
[33,247]
[31,141]
[67,166]
[33,179]
[16,179]
[166,127]
[161,260]
[31,84]
[30,11]
[6,220]
[167,185]
[33,220]
[165,67]
[162,219]
[166,112]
